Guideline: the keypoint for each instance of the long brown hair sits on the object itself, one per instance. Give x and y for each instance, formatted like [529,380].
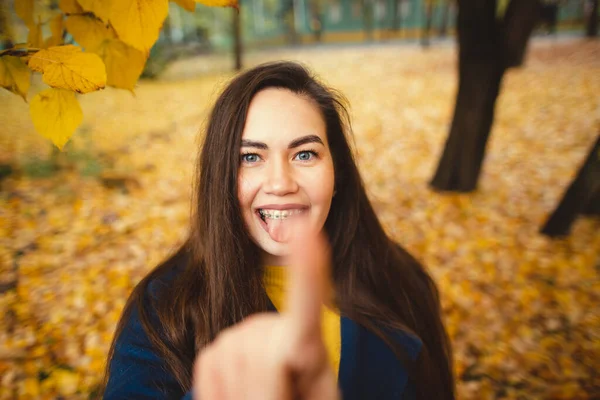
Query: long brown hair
[377,283]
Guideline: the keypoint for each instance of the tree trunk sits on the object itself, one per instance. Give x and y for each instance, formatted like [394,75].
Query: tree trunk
[593,207]
[591,29]
[427,25]
[445,13]
[519,20]
[316,20]
[368,16]
[582,196]
[485,45]
[237,39]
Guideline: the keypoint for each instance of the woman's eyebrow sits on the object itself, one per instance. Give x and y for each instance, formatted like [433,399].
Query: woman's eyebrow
[251,143]
[294,143]
[304,140]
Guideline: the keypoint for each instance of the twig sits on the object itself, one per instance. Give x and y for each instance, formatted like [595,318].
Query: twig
[18,52]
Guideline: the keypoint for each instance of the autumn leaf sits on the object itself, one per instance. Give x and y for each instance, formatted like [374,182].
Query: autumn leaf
[66,381]
[100,8]
[14,75]
[88,31]
[34,37]
[138,22]
[56,28]
[124,64]
[24,9]
[189,5]
[68,68]
[70,7]
[56,114]
[219,3]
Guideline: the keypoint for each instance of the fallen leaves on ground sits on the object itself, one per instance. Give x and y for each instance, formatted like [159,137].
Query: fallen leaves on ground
[521,309]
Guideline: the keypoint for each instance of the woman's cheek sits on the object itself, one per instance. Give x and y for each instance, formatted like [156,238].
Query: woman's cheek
[245,190]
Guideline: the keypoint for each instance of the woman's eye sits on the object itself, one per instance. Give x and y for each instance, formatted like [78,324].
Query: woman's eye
[250,158]
[305,155]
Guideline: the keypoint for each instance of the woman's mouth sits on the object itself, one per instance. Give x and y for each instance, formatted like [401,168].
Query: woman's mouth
[274,221]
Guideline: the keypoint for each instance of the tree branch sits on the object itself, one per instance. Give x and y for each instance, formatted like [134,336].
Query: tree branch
[18,52]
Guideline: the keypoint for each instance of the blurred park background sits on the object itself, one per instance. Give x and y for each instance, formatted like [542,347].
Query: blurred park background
[495,186]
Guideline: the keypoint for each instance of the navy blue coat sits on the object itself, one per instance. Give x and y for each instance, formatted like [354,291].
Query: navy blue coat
[368,367]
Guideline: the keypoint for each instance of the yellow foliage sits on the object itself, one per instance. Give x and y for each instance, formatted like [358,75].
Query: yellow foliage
[68,68]
[14,75]
[138,22]
[84,244]
[56,28]
[189,5]
[219,3]
[34,37]
[88,31]
[66,382]
[24,9]
[70,7]
[56,114]
[100,8]
[30,388]
[124,64]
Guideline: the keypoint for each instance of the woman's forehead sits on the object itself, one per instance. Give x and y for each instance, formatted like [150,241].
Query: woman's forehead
[278,116]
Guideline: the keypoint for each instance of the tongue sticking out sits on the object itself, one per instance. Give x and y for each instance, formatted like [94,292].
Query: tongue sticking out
[279,229]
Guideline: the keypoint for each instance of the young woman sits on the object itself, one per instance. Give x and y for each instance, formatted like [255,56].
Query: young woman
[278,193]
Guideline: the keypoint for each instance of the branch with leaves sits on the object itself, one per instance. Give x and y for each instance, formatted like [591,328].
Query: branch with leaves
[113,41]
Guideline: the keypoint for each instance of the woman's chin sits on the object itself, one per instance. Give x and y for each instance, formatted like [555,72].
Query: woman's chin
[274,252]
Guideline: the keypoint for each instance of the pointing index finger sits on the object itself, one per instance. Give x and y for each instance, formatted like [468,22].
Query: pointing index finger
[309,274]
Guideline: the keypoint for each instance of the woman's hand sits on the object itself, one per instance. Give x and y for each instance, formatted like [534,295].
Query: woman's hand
[276,356]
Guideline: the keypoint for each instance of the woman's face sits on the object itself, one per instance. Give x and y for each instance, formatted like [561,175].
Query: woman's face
[286,169]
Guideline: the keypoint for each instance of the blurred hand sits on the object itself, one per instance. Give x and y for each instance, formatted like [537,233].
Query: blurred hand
[276,356]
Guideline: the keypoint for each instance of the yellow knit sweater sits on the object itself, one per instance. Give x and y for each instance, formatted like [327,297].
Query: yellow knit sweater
[276,285]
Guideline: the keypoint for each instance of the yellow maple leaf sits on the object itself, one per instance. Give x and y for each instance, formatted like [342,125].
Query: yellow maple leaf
[24,9]
[88,31]
[34,37]
[100,8]
[219,3]
[138,22]
[56,114]
[189,5]
[124,64]
[14,75]
[68,68]
[70,7]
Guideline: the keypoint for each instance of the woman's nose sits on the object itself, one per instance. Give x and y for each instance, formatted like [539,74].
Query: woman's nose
[280,179]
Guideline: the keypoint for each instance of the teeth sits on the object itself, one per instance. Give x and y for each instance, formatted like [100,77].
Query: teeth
[279,214]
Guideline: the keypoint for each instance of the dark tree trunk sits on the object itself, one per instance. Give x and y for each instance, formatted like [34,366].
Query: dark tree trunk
[237,39]
[396,19]
[485,49]
[445,13]
[591,29]
[367,7]
[593,207]
[519,20]
[427,26]
[394,12]
[582,196]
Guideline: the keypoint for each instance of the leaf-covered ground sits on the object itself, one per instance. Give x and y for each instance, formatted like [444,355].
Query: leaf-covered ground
[80,228]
